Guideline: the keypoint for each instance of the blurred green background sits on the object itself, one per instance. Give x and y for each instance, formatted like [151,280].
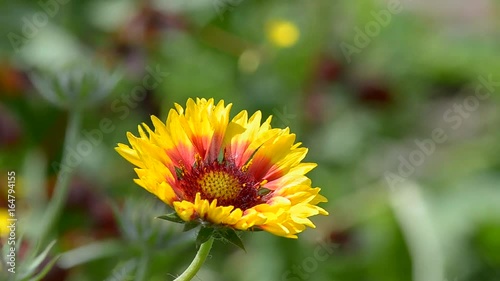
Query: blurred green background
[396,101]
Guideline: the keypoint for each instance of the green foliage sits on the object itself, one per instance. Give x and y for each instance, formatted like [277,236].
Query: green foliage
[33,268]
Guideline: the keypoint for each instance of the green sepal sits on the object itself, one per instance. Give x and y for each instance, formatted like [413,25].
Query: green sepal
[230,235]
[173,217]
[190,225]
[203,235]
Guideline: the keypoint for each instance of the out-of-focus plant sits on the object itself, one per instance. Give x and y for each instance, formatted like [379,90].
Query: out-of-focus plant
[73,89]
[31,268]
[76,87]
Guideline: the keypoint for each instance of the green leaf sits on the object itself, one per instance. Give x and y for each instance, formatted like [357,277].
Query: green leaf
[190,225]
[123,271]
[230,235]
[33,265]
[173,217]
[45,270]
[203,236]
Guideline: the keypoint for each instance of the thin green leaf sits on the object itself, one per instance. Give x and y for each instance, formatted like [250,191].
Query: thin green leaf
[173,217]
[37,261]
[91,252]
[126,226]
[123,271]
[45,269]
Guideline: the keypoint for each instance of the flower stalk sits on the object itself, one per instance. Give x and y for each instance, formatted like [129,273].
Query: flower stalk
[63,178]
[197,262]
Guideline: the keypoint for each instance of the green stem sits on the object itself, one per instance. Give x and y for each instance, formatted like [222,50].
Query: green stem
[198,261]
[61,188]
[142,267]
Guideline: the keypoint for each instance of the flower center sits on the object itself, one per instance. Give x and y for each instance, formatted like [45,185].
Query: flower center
[222,181]
[220,185]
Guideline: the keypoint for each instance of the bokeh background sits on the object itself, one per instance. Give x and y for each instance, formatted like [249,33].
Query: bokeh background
[397,102]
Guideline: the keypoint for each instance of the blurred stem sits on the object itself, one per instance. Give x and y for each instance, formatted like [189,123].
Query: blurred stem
[142,268]
[198,261]
[418,229]
[60,194]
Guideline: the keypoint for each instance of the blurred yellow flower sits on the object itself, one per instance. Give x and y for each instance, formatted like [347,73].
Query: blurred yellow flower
[282,33]
[4,230]
[237,173]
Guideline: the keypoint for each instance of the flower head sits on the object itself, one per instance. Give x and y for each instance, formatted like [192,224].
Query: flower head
[4,223]
[238,173]
[282,33]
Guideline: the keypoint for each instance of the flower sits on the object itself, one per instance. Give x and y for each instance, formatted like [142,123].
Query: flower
[282,33]
[4,223]
[237,173]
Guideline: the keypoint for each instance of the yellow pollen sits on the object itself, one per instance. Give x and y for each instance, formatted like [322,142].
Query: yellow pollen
[198,158]
[220,185]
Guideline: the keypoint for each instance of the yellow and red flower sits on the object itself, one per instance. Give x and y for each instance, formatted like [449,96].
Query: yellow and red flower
[239,173]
